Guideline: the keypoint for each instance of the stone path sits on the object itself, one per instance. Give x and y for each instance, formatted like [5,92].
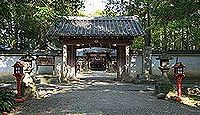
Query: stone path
[96,97]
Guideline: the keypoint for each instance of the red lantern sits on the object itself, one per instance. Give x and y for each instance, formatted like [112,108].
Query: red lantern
[179,74]
[179,68]
[18,68]
[18,73]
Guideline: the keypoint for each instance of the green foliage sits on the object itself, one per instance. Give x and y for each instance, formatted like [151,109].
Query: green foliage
[98,13]
[115,8]
[6,101]
[163,87]
[175,9]
[170,24]
[24,23]
[138,43]
[195,97]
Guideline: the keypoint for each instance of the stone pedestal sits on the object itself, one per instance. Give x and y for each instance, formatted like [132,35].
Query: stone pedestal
[30,86]
[147,62]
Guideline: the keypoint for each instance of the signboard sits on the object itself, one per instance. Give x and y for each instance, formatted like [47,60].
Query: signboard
[45,61]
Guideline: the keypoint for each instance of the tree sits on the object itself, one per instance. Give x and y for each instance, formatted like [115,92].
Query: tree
[140,8]
[113,8]
[24,23]
[169,24]
[177,18]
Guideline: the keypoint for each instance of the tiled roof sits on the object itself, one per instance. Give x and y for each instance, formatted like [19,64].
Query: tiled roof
[46,50]
[96,26]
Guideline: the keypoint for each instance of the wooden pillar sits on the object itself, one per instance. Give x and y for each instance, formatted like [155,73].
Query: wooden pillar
[54,70]
[64,61]
[121,61]
[127,60]
[71,60]
[68,61]
[36,65]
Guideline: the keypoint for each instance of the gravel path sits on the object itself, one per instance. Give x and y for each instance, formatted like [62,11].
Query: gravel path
[105,98]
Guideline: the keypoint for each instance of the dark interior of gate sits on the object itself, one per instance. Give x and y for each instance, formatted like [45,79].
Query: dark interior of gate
[96,43]
[96,63]
[96,59]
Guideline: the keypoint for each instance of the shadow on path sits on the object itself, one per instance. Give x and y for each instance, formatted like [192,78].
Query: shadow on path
[94,95]
[98,76]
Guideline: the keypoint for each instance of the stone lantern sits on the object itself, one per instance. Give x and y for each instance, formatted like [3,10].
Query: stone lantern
[28,81]
[164,64]
[27,59]
[163,85]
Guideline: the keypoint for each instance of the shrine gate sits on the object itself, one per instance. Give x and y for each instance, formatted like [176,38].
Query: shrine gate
[106,32]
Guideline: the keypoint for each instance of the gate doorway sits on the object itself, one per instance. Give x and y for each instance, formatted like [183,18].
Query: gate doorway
[106,32]
[96,59]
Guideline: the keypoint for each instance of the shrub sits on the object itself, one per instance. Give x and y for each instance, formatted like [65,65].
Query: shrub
[163,88]
[7,102]
[163,85]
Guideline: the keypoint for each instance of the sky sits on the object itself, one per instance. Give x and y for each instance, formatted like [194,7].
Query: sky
[92,6]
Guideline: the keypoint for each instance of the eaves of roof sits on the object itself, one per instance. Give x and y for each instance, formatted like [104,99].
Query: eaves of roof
[126,26]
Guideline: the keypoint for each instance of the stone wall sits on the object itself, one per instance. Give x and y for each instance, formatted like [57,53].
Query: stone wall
[6,69]
[8,60]
[191,61]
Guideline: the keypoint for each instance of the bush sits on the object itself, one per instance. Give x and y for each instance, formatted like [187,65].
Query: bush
[7,102]
[163,87]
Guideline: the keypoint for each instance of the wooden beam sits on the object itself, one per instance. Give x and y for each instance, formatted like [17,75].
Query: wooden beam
[97,41]
[93,45]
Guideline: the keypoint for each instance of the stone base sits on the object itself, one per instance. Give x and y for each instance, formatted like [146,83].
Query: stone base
[144,79]
[73,79]
[117,79]
[47,79]
[127,78]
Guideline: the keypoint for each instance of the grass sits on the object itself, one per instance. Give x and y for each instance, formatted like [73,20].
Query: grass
[187,100]
[194,97]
